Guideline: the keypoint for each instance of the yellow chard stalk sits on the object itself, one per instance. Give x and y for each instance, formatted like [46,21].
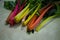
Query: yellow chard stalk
[25,13]
[44,22]
[18,16]
[25,22]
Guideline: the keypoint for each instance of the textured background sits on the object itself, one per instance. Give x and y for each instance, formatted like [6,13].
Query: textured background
[49,32]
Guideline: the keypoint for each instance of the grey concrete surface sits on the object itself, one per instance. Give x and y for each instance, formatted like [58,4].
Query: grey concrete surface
[49,32]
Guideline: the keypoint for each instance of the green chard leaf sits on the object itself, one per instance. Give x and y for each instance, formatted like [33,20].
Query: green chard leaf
[58,10]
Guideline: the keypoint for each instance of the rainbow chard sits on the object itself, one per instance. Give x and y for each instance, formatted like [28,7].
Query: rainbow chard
[28,14]
[39,18]
[16,8]
[29,18]
[31,22]
[57,13]
[6,4]
[31,15]
[21,15]
[14,13]
[17,17]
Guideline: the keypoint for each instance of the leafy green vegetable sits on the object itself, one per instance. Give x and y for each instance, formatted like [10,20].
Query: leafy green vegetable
[9,5]
[58,10]
[51,12]
[49,1]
